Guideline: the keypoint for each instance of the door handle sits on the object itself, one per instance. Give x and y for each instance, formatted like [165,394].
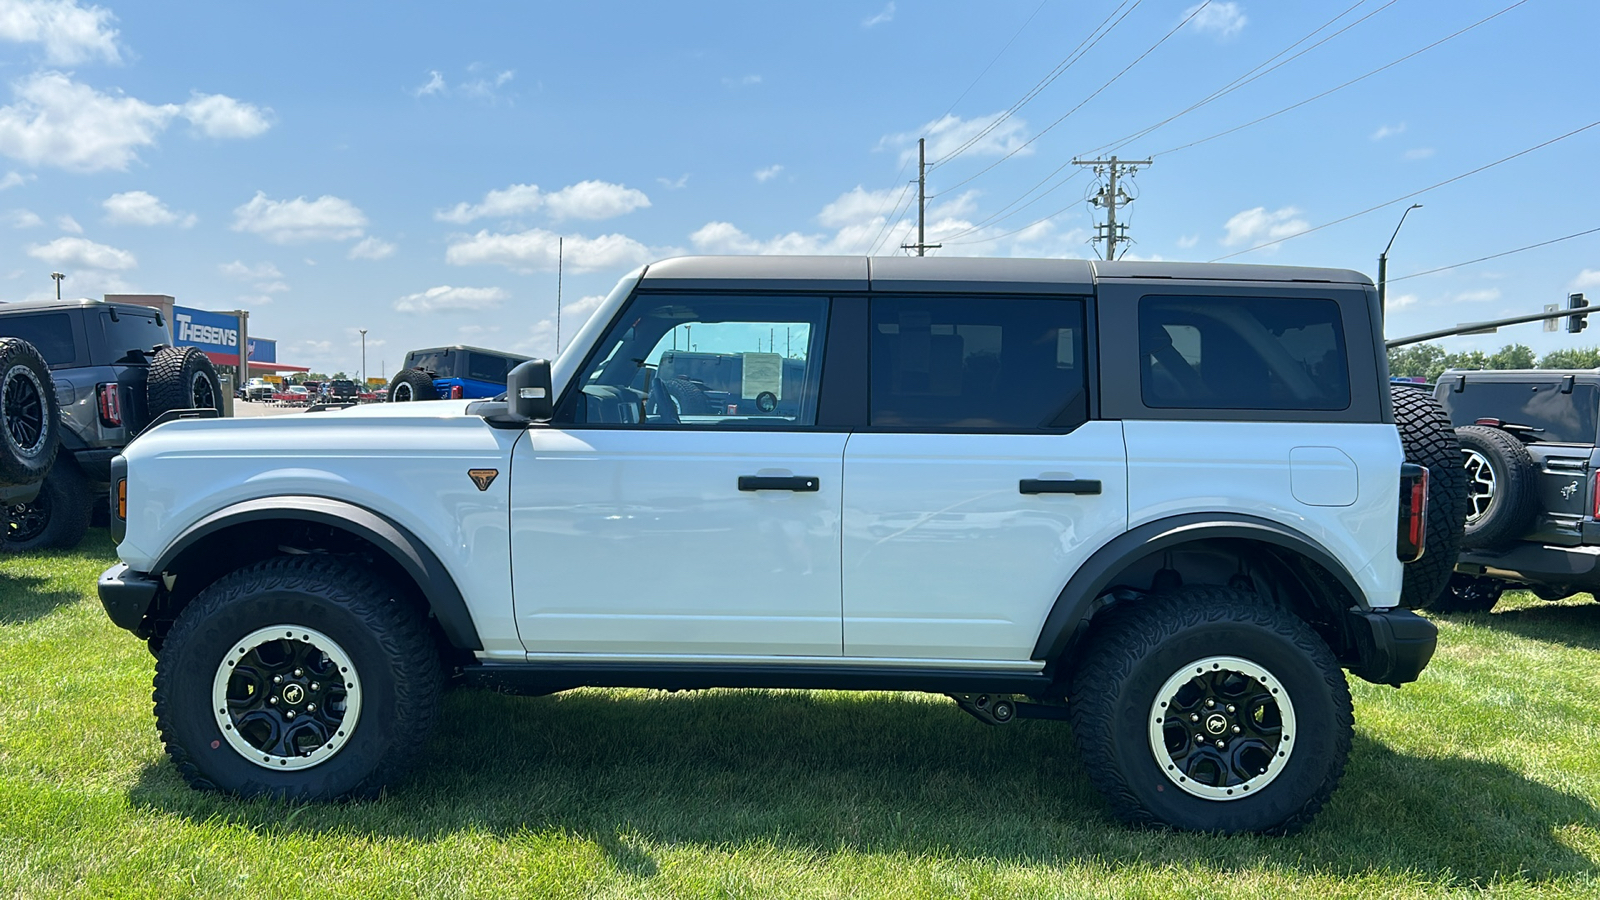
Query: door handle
[802,484]
[1048,486]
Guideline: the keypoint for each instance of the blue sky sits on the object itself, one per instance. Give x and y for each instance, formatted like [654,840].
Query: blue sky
[407,169]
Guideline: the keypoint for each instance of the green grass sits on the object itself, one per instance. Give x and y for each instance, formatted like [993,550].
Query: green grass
[1483,778]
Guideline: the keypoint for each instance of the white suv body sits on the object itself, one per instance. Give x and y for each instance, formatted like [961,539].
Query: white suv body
[944,480]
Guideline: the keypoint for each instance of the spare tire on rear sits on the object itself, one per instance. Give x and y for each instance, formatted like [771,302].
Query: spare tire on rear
[1502,486]
[1429,441]
[182,378]
[30,419]
[412,384]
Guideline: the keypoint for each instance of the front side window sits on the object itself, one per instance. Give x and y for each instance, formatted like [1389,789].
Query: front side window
[978,363]
[705,361]
[1242,353]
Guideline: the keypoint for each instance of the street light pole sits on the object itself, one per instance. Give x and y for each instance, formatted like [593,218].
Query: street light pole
[1383,259]
[58,279]
[363,360]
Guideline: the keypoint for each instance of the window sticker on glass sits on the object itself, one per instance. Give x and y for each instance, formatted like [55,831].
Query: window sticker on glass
[762,374]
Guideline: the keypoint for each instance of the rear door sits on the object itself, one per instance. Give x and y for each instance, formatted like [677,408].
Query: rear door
[981,483]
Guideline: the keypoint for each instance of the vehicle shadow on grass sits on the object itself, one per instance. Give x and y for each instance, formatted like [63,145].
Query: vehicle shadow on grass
[1575,625]
[24,598]
[881,773]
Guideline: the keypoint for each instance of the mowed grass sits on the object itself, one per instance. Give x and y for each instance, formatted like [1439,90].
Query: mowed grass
[1484,778]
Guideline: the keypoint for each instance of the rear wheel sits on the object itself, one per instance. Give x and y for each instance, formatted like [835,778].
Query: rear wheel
[57,519]
[1468,593]
[1211,710]
[411,384]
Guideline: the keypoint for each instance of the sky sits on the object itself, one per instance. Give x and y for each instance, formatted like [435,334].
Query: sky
[409,168]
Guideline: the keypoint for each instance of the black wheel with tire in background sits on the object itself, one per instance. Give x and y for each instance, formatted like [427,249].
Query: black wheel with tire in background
[182,378]
[299,677]
[57,519]
[1428,440]
[1502,494]
[411,384]
[1210,709]
[30,420]
[690,397]
[1469,593]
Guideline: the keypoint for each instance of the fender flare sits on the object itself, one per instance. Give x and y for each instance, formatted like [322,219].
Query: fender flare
[410,553]
[1077,601]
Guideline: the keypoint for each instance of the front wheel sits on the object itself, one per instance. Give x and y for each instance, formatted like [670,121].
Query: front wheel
[300,677]
[1210,709]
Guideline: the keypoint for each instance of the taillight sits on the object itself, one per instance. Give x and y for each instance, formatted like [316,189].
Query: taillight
[455,392]
[1596,510]
[110,405]
[1411,537]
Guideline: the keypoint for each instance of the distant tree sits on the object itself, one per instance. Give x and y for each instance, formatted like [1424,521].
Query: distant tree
[1417,361]
[1574,358]
[340,375]
[1512,356]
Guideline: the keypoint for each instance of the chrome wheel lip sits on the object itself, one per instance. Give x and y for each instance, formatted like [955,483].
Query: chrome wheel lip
[1158,713]
[1481,485]
[7,385]
[225,721]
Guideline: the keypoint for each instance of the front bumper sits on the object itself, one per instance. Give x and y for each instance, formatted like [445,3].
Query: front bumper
[1394,645]
[127,595]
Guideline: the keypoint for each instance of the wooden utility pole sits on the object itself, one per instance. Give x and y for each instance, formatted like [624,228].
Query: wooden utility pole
[922,245]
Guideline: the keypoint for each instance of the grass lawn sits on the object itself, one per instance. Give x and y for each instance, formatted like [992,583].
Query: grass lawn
[1484,778]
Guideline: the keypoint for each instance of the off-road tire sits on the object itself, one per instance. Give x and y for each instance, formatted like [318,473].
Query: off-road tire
[57,519]
[387,641]
[1469,593]
[182,378]
[690,397]
[411,384]
[1141,643]
[1429,441]
[1509,513]
[30,419]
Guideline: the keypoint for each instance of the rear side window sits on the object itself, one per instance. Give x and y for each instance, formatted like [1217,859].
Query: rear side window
[51,333]
[977,363]
[484,367]
[1242,353]
[1540,406]
[434,361]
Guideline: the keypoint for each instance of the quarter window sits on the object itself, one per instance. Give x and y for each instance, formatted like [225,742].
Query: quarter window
[977,363]
[1242,353]
[51,334]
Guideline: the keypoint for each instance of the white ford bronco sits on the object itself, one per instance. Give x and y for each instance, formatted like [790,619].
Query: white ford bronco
[1165,502]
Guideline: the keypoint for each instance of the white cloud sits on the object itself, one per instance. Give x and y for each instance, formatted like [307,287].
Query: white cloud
[746,81]
[1588,278]
[77,251]
[1388,131]
[372,248]
[535,250]
[1255,225]
[1400,302]
[540,341]
[69,224]
[1482,295]
[946,134]
[435,85]
[272,287]
[1419,153]
[1221,19]
[250,301]
[69,33]
[23,218]
[671,184]
[584,200]
[14,179]
[326,218]
[56,121]
[221,116]
[886,16]
[239,270]
[769,173]
[449,299]
[1187,241]
[143,208]
[487,88]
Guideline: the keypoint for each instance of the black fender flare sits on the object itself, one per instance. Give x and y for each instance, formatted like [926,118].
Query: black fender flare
[1077,601]
[410,553]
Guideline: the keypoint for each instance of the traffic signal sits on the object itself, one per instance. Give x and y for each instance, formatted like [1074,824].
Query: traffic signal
[1576,324]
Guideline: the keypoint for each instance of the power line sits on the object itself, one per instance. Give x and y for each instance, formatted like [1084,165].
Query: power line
[891,217]
[1088,43]
[1495,255]
[997,56]
[1343,86]
[1416,193]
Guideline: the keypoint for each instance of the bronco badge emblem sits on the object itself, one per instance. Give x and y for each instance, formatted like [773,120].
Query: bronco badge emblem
[482,477]
[1569,490]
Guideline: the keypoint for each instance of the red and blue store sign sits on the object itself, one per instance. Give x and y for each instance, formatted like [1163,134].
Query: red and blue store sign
[217,334]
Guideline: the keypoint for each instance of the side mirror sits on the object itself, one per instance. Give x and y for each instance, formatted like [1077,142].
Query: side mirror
[528,393]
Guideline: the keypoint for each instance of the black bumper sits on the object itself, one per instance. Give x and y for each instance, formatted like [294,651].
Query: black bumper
[1394,644]
[127,595]
[1528,563]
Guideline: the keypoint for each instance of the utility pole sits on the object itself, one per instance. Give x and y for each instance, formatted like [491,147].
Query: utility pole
[1110,197]
[363,360]
[922,246]
[559,255]
[58,279]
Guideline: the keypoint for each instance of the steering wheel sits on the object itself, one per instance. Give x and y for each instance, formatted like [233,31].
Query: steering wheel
[658,404]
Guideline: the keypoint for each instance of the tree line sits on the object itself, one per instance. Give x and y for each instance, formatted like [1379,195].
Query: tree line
[1429,360]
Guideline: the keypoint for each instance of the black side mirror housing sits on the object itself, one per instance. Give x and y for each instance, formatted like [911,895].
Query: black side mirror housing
[528,393]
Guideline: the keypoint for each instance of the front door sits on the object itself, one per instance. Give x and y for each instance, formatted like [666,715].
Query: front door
[682,503]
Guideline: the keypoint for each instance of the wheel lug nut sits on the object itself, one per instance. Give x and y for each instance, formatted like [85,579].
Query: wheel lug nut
[1210,703]
[1194,717]
[315,686]
[273,700]
[1230,707]
[1222,745]
[277,679]
[290,714]
[298,673]
[311,707]
[1235,729]
[1199,739]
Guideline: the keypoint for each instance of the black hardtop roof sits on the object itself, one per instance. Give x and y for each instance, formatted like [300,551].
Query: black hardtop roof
[946,273]
[82,303]
[469,347]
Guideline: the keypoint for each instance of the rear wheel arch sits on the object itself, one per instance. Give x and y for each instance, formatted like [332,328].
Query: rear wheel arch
[1241,551]
[262,528]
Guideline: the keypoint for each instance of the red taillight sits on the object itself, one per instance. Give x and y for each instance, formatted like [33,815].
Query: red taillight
[110,405]
[455,392]
[1411,540]
[1596,510]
